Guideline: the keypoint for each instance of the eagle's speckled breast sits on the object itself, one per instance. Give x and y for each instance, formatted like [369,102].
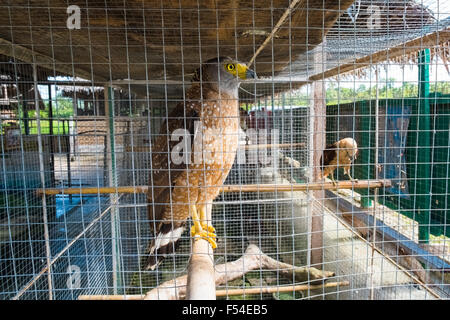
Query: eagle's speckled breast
[218,143]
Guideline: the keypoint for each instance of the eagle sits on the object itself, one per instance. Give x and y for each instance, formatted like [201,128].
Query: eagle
[209,122]
[339,154]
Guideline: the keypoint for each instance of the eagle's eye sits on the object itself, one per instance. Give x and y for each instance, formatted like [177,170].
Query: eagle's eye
[230,67]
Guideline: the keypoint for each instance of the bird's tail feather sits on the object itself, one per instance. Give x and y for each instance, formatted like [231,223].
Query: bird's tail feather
[165,242]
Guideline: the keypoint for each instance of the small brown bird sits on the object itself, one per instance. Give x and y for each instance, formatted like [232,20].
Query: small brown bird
[339,154]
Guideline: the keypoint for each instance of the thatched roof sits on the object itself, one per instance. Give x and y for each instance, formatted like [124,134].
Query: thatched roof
[167,40]
[142,40]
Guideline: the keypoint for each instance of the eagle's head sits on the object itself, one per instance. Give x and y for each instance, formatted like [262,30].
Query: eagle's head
[224,74]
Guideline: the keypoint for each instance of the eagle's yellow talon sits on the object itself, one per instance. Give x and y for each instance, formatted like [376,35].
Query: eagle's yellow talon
[209,235]
[201,229]
[208,227]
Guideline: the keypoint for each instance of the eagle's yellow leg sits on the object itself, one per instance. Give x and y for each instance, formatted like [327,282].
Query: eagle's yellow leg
[204,222]
[200,228]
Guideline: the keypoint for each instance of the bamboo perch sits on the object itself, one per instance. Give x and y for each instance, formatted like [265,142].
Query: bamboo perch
[229,292]
[245,147]
[356,184]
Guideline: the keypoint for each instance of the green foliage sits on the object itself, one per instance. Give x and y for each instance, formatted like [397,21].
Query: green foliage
[339,94]
[62,110]
[288,295]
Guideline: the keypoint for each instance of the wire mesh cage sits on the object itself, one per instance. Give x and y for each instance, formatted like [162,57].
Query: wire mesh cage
[329,149]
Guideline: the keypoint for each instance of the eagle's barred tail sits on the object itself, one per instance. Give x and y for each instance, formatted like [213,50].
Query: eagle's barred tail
[165,242]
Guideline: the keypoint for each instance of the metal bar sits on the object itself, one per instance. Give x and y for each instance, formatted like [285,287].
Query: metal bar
[375,193]
[423,169]
[231,188]
[42,177]
[50,132]
[111,164]
[366,202]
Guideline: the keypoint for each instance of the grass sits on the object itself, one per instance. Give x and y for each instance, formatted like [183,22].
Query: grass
[45,127]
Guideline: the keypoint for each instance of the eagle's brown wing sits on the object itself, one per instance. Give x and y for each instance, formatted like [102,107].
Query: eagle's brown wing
[329,153]
[164,171]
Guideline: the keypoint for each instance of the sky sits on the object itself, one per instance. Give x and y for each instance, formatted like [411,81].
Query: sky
[407,73]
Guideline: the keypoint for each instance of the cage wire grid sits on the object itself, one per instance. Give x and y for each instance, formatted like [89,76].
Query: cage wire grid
[87,91]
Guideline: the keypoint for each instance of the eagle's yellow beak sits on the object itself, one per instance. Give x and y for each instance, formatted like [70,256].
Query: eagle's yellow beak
[245,72]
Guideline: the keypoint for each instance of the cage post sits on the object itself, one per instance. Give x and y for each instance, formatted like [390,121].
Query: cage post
[375,173]
[366,123]
[50,132]
[112,175]
[422,127]
[317,139]
[42,177]
[69,173]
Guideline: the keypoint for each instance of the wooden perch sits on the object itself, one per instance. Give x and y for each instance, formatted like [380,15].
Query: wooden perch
[245,147]
[253,259]
[200,277]
[357,184]
[228,292]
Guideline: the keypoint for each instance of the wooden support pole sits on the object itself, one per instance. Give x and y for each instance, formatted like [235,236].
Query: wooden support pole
[318,122]
[232,188]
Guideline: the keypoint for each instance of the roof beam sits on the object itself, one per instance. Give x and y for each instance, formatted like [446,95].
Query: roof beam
[24,54]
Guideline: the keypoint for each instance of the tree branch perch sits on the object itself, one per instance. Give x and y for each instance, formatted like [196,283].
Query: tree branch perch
[253,259]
